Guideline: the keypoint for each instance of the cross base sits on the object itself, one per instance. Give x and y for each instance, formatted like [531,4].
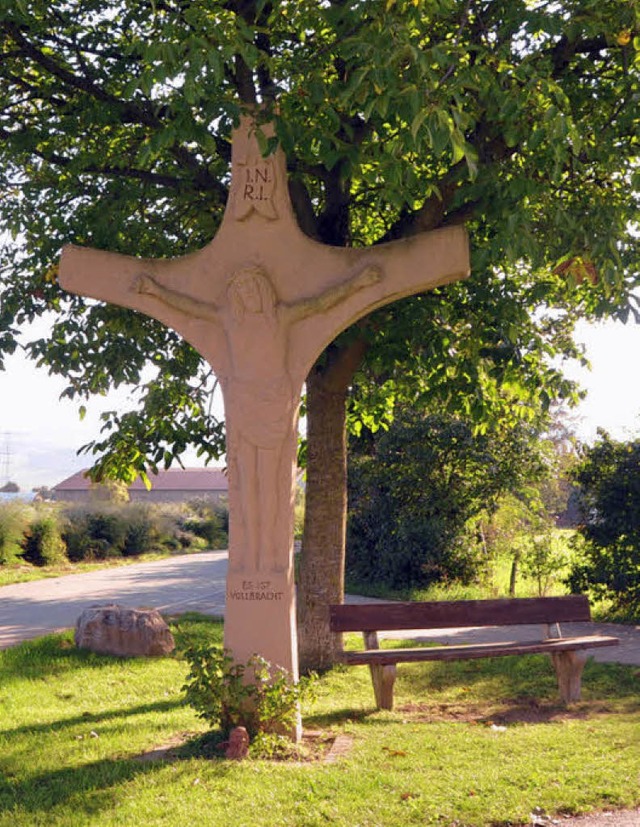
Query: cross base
[261,606]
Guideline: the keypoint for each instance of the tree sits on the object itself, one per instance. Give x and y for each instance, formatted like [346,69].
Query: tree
[518,118]
[609,499]
[416,494]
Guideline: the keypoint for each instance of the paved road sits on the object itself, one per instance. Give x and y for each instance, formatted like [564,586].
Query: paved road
[193,582]
[196,582]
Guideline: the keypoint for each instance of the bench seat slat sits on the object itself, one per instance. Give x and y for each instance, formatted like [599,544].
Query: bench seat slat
[477,650]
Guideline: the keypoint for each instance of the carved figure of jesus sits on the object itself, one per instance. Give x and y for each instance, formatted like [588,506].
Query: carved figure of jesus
[258,391]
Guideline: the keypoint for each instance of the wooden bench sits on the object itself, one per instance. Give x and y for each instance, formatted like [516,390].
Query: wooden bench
[566,653]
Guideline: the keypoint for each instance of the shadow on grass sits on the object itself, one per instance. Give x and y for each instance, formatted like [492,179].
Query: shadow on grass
[514,689]
[193,628]
[337,717]
[50,655]
[89,789]
[93,718]
[57,654]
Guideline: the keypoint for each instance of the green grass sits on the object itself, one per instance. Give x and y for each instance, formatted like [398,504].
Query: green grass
[496,584]
[73,724]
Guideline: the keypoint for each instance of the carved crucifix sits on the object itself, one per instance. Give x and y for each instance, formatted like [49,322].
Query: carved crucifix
[260,303]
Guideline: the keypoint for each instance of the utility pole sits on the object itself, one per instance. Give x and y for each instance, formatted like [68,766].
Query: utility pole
[5,458]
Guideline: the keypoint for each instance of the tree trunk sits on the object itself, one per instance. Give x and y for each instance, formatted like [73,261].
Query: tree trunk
[321,572]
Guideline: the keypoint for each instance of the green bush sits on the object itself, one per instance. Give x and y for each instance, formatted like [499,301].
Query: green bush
[416,493]
[94,533]
[103,530]
[43,544]
[143,533]
[411,497]
[608,544]
[223,695]
[208,520]
[544,559]
[14,524]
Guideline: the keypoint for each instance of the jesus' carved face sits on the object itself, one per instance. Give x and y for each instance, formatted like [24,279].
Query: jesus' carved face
[250,291]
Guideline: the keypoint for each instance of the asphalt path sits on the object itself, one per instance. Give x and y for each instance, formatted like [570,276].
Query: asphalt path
[190,582]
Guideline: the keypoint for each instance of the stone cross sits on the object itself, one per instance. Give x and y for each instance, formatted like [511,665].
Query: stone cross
[260,303]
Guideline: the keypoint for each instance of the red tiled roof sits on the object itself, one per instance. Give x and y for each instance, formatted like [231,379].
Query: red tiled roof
[174,479]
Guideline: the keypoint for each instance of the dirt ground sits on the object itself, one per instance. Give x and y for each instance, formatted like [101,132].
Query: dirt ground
[620,818]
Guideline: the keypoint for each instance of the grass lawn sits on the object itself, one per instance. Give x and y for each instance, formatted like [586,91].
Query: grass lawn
[476,743]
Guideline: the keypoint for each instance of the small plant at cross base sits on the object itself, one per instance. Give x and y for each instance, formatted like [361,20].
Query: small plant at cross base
[257,695]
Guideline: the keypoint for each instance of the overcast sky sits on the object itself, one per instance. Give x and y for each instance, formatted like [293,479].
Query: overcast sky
[40,433]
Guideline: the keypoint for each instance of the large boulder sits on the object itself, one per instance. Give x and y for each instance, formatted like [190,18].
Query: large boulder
[117,630]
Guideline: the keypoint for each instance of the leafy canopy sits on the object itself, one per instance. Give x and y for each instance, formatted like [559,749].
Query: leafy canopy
[518,117]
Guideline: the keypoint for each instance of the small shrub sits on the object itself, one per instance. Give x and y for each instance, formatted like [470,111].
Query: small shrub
[142,531]
[258,696]
[14,524]
[269,746]
[210,521]
[94,534]
[43,544]
[545,558]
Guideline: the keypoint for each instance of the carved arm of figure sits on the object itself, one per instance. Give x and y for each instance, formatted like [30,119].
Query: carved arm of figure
[369,275]
[146,284]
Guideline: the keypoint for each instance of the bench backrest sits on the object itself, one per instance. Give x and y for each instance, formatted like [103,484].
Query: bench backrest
[375,617]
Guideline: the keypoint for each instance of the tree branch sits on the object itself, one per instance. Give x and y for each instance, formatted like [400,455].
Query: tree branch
[129,111]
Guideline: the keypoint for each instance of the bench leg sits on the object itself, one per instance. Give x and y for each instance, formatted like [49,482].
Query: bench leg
[383,678]
[569,666]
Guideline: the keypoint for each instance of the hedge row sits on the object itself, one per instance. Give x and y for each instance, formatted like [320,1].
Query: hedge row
[48,534]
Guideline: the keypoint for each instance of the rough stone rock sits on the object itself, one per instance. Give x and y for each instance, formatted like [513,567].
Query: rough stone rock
[117,630]
[238,744]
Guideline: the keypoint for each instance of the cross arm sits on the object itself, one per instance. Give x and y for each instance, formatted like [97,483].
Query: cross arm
[405,267]
[102,275]
[137,283]
[420,263]
[160,288]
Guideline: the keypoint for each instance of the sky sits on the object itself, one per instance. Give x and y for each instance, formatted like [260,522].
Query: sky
[40,433]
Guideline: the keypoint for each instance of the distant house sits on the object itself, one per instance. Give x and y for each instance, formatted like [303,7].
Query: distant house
[174,485]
